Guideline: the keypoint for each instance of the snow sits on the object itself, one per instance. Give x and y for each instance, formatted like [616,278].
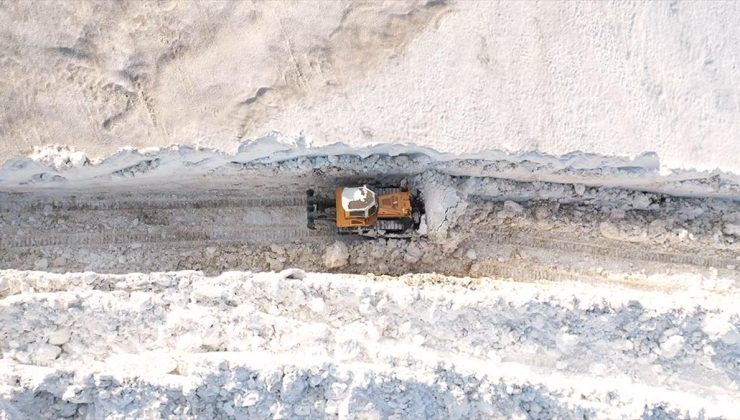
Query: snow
[611,79]
[336,255]
[597,77]
[179,165]
[350,345]
[548,142]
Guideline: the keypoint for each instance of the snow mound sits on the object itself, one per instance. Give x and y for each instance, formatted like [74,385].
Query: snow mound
[306,344]
[56,167]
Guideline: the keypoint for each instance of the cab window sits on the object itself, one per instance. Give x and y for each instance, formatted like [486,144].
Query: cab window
[356,213]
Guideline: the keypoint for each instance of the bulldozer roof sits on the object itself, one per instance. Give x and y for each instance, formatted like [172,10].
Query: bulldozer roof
[357,198]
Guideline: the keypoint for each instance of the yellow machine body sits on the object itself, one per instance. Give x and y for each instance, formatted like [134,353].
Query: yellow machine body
[362,207]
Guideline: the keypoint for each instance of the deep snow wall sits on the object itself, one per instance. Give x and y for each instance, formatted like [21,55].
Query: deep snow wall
[289,159]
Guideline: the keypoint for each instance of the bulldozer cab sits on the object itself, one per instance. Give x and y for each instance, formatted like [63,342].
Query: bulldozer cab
[356,206]
[359,202]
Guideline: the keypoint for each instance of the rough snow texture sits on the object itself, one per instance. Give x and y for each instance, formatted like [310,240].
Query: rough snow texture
[614,79]
[482,106]
[246,345]
[61,168]
[336,255]
[470,223]
[641,317]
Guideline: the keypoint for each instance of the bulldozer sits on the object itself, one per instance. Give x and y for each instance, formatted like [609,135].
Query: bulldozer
[367,211]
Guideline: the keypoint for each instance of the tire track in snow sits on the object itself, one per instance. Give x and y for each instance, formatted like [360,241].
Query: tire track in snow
[623,251]
[148,203]
[220,230]
[257,234]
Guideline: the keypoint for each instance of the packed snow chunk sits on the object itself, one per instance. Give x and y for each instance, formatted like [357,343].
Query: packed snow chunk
[8,287]
[413,253]
[59,156]
[41,264]
[248,399]
[731,229]
[317,305]
[46,353]
[337,255]
[580,189]
[204,293]
[641,201]
[718,325]
[422,230]
[294,383]
[513,207]
[567,342]
[609,230]
[672,346]
[59,336]
[731,338]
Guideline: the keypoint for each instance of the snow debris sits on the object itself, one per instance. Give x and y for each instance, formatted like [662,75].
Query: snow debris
[591,268]
[41,264]
[731,229]
[336,255]
[59,336]
[417,346]
[45,353]
[443,207]
[59,157]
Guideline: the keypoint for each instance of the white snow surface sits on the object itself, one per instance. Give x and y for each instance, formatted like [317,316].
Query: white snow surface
[119,96]
[310,344]
[458,76]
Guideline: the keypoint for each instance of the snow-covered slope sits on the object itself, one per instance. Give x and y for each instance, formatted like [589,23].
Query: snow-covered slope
[458,76]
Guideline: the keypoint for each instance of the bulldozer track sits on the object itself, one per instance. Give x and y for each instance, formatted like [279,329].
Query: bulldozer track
[264,235]
[542,274]
[148,203]
[621,251]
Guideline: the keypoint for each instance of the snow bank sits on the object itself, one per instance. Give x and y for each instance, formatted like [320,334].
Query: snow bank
[59,167]
[267,344]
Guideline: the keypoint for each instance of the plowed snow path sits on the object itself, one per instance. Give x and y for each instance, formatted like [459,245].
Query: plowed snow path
[585,331]
[103,219]
[551,232]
